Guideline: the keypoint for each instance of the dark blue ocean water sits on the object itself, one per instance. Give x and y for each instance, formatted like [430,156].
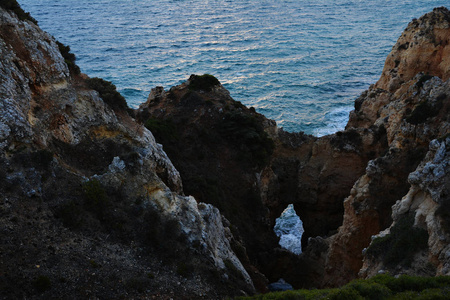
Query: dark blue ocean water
[299,62]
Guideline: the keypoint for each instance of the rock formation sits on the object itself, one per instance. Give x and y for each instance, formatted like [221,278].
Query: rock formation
[411,101]
[92,206]
[367,165]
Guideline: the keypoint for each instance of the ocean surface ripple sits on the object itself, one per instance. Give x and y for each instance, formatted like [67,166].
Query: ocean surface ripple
[301,63]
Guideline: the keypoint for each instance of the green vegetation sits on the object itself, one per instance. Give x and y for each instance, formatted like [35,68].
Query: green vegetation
[108,93]
[42,158]
[205,187]
[400,246]
[425,109]
[96,199]
[139,284]
[378,287]
[94,264]
[203,82]
[15,7]
[163,130]
[245,131]
[232,269]
[348,137]
[69,58]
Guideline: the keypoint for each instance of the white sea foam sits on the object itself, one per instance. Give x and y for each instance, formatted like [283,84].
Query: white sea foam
[335,120]
[289,228]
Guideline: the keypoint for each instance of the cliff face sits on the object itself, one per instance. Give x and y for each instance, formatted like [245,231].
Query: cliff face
[91,205]
[241,163]
[343,186]
[411,101]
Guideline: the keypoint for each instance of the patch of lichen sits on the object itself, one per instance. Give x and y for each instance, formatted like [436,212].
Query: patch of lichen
[104,132]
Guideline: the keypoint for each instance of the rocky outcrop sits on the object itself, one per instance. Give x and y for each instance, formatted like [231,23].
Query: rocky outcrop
[413,107]
[426,204]
[91,206]
[343,186]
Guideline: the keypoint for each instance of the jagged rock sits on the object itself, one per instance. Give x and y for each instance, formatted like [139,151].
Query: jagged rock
[280,286]
[422,47]
[411,102]
[90,202]
[426,201]
[86,190]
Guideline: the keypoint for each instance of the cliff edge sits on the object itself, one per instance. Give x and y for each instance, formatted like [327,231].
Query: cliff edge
[91,206]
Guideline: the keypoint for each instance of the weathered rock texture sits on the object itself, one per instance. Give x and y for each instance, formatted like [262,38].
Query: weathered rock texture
[411,101]
[90,205]
[343,186]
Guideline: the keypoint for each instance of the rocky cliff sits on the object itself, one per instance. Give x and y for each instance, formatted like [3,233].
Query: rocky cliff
[343,186]
[91,206]
[411,101]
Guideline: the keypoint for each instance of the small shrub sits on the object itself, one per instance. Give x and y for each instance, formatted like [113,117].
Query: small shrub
[370,290]
[206,188]
[247,133]
[163,130]
[378,287]
[422,80]
[400,246]
[15,7]
[232,269]
[203,82]
[435,294]
[42,283]
[69,58]
[42,158]
[443,212]
[95,196]
[138,284]
[345,293]
[108,93]
[348,137]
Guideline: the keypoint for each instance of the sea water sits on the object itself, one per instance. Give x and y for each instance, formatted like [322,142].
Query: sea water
[299,62]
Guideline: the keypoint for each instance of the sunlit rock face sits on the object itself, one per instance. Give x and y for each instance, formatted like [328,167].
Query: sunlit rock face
[289,228]
[411,102]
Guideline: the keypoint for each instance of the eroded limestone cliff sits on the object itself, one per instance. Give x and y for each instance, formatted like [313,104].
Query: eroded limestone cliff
[343,186]
[411,101]
[91,206]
